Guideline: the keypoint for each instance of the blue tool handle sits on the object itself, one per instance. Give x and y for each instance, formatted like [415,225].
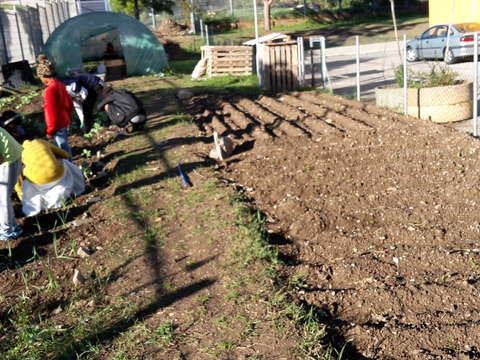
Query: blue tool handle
[182,176]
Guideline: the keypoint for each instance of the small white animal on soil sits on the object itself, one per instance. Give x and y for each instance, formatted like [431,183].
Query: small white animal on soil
[223,147]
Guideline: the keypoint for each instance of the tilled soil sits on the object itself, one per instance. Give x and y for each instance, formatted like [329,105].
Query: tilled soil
[375,215]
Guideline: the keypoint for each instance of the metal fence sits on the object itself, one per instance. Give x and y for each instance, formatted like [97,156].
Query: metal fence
[244,9]
[372,73]
[359,70]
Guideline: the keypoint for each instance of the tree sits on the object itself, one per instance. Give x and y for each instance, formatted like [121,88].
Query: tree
[392,6]
[266,13]
[134,7]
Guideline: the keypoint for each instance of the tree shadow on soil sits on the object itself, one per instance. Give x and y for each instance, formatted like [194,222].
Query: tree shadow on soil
[323,315]
[96,284]
[157,153]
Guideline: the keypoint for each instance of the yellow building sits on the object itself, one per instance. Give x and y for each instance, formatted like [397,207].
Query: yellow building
[440,11]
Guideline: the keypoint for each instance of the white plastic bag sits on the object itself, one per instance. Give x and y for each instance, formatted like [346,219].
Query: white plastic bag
[200,68]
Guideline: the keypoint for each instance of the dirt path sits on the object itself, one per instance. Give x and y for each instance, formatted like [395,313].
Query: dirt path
[375,212]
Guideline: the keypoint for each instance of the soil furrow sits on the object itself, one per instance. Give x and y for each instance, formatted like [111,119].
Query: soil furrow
[273,123]
[253,127]
[341,114]
[382,118]
[379,216]
[322,113]
[281,108]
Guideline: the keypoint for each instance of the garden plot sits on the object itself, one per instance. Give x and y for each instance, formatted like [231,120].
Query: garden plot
[376,214]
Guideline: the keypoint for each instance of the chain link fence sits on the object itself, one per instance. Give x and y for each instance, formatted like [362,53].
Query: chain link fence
[378,73]
[244,9]
[361,70]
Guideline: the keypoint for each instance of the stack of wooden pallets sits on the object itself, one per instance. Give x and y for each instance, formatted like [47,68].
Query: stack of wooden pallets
[228,60]
[280,61]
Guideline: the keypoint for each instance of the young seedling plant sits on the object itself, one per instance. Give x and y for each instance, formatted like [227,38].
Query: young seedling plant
[87,153]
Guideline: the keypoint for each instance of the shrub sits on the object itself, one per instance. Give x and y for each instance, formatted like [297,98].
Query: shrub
[438,75]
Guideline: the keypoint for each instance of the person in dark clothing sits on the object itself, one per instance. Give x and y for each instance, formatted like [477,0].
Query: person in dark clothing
[124,109]
[11,121]
[84,89]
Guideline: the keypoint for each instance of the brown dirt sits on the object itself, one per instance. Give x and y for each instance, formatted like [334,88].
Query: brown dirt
[167,31]
[170,27]
[377,212]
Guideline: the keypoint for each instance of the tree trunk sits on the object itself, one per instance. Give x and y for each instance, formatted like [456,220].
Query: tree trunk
[266,13]
[392,5]
[136,12]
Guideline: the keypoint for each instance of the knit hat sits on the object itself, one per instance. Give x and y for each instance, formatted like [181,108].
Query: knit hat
[45,67]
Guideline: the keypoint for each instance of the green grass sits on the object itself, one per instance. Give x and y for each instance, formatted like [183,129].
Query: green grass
[97,324]
[87,330]
[177,67]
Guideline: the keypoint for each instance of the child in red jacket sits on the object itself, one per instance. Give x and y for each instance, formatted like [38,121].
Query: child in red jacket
[58,106]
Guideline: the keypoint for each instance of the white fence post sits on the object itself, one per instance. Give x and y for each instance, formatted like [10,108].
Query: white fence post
[324,63]
[357,40]
[192,23]
[405,76]
[475,85]
[301,61]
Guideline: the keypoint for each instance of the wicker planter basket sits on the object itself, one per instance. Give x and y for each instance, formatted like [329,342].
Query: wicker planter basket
[439,104]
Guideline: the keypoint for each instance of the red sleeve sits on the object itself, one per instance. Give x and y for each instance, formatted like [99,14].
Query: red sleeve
[50,109]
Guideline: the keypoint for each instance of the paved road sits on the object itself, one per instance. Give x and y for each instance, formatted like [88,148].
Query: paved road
[377,64]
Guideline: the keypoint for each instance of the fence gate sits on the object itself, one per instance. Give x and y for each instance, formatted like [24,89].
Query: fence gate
[281,65]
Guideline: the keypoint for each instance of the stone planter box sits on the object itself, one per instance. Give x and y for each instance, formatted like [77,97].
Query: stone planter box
[439,104]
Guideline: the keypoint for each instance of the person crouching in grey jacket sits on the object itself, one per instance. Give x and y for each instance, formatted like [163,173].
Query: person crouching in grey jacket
[124,109]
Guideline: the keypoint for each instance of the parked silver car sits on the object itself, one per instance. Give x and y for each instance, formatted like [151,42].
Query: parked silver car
[432,44]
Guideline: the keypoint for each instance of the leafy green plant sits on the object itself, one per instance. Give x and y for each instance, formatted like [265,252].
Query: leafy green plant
[27,99]
[473,265]
[52,284]
[182,119]
[7,101]
[88,136]
[170,287]
[165,332]
[102,119]
[96,129]
[170,72]
[87,171]
[87,153]
[232,295]
[439,74]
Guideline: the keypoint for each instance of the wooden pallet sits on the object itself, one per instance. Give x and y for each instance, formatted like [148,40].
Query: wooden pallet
[281,65]
[228,60]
